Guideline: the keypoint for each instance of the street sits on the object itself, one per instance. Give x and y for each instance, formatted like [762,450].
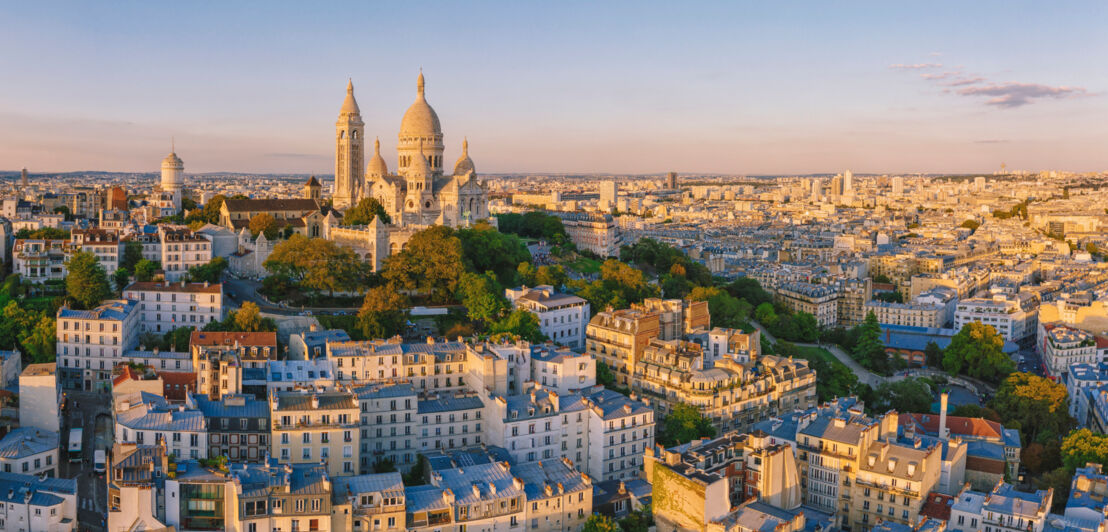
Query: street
[93,412]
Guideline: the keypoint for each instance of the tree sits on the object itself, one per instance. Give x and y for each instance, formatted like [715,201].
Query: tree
[684,424]
[604,375]
[86,282]
[431,263]
[1082,447]
[417,476]
[485,249]
[248,318]
[482,296]
[317,264]
[747,288]
[725,310]
[145,269]
[908,395]
[383,313]
[972,410]
[765,314]
[977,351]
[870,351]
[383,465]
[1037,406]
[43,233]
[132,254]
[933,354]
[364,212]
[600,523]
[212,272]
[519,323]
[638,520]
[39,343]
[882,279]
[265,224]
[122,278]
[553,275]
[972,225]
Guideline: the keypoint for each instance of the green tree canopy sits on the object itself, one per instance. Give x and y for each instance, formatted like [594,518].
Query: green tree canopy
[600,523]
[519,323]
[86,283]
[212,272]
[383,313]
[431,263]
[132,254]
[905,396]
[43,233]
[145,270]
[725,309]
[870,350]
[684,424]
[619,286]
[977,351]
[484,249]
[482,296]
[365,211]
[318,264]
[1084,446]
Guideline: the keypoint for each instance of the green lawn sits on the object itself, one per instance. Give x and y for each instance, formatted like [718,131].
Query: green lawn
[811,353]
[584,265]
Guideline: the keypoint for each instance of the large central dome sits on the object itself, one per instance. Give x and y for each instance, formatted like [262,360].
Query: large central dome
[420,120]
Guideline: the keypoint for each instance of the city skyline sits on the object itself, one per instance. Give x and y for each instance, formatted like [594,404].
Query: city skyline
[621,88]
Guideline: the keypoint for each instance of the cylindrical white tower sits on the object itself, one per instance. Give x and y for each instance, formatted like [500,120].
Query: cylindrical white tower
[173,173]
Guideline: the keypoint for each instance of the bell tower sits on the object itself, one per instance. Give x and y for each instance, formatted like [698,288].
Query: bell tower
[349,151]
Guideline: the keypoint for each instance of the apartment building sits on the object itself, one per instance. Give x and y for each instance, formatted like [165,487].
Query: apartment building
[133,485]
[40,260]
[30,451]
[388,425]
[91,342]
[288,375]
[731,394]
[433,365]
[853,296]
[449,420]
[1062,347]
[907,314]
[598,233]
[720,343]
[559,498]
[310,427]
[892,483]
[620,430]
[369,502]
[562,317]
[37,502]
[146,419]
[819,300]
[1004,509]
[238,426]
[526,425]
[103,244]
[561,369]
[618,337]
[219,358]
[181,249]
[274,496]
[1014,320]
[166,306]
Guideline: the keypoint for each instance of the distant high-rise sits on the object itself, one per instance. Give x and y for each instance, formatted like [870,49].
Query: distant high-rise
[848,182]
[609,191]
[979,183]
[671,180]
[837,186]
[817,189]
[23,177]
[898,186]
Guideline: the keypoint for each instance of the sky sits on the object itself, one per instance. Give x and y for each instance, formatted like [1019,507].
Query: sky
[548,87]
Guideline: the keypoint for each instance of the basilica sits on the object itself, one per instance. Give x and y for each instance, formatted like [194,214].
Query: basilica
[419,193]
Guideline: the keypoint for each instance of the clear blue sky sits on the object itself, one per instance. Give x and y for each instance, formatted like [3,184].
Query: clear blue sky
[730,87]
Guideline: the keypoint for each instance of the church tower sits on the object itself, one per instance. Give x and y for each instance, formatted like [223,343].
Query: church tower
[313,189]
[349,151]
[420,130]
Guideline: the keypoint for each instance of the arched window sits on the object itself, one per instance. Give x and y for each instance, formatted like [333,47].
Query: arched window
[342,134]
[354,134]
[392,248]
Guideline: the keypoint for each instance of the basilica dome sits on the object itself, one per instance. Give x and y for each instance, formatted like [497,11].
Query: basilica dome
[377,166]
[420,119]
[465,164]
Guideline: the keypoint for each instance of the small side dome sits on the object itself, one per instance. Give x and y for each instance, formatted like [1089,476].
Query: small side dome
[464,166]
[377,166]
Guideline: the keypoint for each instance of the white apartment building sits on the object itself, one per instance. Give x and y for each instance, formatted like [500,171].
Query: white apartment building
[620,431]
[40,260]
[448,421]
[526,425]
[597,233]
[1004,509]
[388,421]
[30,451]
[1062,347]
[37,503]
[288,375]
[181,250]
[909,314]
[91,342]
[145,418]
[1006,315]
[40,397]
[165,305]
[561,369]
[103,244]
[562,317]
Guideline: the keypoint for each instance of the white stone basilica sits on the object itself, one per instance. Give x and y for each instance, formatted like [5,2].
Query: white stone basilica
[417,196]
[419,193]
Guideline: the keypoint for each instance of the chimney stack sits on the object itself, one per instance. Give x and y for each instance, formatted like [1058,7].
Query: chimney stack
[942,415]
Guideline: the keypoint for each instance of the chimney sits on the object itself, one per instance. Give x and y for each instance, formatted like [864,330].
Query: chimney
[943,398]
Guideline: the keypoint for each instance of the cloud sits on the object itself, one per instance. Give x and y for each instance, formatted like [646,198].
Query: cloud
[1010,94]
[915,66]
[1006,94]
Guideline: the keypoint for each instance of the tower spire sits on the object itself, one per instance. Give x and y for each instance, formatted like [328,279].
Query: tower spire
[465,145]
[172,144]
[419,83]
